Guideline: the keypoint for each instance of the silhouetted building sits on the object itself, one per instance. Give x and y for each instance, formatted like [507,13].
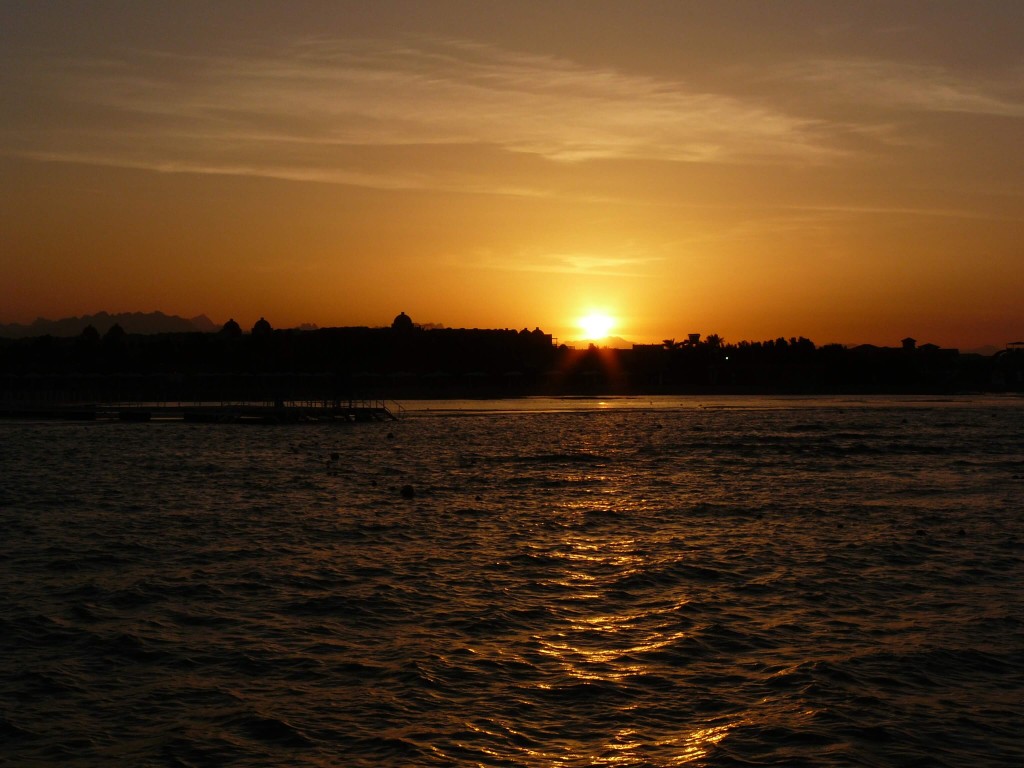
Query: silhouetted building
[262,328]
[402,323]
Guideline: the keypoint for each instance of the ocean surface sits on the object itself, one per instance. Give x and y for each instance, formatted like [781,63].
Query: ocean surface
[576,582]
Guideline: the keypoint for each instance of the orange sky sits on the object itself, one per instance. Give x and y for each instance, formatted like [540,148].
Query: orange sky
[850,174]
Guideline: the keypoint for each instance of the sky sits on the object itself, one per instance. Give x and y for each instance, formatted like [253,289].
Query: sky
[851,172]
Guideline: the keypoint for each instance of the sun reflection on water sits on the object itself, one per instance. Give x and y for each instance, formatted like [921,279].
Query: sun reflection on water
[628,747]
[696,744]
[607,643]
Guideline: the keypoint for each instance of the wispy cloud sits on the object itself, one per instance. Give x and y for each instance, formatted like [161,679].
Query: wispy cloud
[579,264]
[910,87]
[303,111]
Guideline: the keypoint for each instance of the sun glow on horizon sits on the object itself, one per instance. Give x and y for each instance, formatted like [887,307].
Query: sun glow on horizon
[596,325]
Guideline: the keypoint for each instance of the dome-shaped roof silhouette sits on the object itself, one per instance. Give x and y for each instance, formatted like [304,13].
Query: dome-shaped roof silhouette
[262,328]
[402,322]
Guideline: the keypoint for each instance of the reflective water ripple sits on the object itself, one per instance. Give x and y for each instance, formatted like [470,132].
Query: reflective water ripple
[695,583]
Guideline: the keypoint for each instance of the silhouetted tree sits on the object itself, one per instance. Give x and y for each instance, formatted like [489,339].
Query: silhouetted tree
[85,351]
[114,336]
[114,352]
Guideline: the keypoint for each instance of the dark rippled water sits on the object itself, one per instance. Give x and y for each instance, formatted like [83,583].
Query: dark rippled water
[640,583]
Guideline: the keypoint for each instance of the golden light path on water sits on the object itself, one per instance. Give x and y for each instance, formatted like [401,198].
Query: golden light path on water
[612,637]
[620,750]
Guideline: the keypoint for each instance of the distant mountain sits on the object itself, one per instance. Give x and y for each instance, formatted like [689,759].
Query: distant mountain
[986,351]
[131,322]
[612,342]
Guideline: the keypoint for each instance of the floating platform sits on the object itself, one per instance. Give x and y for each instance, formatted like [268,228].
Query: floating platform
[305,412]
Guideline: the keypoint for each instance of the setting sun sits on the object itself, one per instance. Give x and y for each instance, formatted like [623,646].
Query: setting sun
[596,325]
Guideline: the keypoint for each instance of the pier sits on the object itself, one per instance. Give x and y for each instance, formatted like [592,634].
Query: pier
[280,412]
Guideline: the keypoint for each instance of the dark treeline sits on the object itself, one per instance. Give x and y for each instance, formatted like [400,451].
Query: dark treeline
[407,361]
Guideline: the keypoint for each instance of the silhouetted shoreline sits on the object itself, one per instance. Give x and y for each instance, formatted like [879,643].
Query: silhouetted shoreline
[405,361]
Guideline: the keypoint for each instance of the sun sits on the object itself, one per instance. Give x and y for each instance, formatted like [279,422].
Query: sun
[596,325]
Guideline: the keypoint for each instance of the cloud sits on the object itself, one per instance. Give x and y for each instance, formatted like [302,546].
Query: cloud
[301,112]
[579,264]
[910,87]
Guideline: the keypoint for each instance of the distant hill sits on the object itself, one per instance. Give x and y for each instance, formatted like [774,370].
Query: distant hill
[131,322]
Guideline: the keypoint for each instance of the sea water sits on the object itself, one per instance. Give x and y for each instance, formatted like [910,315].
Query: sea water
[631,582]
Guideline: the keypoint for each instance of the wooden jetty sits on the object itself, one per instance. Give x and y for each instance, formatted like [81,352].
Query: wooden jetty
[280,412]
